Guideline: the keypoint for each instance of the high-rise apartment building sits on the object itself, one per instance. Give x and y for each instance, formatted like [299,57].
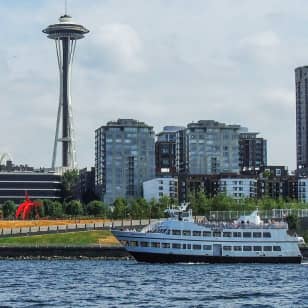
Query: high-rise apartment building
[252,151]
[165,150]
[124,158]
[211,147]
[301,83]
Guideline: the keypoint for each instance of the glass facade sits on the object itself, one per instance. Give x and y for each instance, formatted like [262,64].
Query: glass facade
[124,158]
[212,147]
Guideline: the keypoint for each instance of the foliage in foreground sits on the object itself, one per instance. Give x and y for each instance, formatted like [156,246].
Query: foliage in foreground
[140,208]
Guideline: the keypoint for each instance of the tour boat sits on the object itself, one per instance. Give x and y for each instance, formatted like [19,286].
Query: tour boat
[180,238]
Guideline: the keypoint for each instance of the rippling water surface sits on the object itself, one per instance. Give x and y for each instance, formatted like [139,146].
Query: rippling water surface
[96,283]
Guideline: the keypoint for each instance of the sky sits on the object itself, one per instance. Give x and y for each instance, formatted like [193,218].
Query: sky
[164,62]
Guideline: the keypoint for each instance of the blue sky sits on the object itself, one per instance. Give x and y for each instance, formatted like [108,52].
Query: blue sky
[162,62]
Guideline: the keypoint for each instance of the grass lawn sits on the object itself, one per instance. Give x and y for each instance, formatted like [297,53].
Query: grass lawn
[83,238]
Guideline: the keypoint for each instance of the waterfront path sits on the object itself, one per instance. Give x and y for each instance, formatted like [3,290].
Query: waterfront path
[116,224]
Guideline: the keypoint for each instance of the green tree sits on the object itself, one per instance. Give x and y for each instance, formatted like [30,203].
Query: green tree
[9,208]
[292,221]
[74,208]
[58,210]
[97,208]
[69,183]
[120,209]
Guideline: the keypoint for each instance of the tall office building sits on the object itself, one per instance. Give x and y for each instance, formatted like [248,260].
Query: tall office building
[124,158]
[301,83]
[252,151]
[211,148]
[165,150]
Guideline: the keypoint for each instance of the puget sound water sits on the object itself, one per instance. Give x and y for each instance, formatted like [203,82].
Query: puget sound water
[99,283]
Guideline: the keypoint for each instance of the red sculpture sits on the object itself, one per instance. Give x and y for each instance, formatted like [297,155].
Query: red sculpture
[24,209]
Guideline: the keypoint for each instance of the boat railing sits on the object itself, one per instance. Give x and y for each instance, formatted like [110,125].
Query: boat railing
[222,225]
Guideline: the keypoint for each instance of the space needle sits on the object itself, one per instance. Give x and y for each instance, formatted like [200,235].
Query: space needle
[65,33]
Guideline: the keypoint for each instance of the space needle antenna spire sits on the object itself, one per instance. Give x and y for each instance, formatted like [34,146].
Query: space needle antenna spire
[65,33]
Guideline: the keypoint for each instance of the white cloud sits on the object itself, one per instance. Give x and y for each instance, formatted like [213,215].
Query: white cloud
[122,44]
[266,39]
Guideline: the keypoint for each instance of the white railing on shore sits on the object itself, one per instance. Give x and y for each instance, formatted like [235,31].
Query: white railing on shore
[125,223]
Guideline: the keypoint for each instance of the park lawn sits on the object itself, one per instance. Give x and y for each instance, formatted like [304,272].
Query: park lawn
[82,238]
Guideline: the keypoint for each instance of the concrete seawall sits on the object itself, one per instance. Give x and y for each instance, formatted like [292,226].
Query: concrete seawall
[63,252]
[58,252]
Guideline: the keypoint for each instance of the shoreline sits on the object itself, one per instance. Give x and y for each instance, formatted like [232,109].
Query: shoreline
[74,253]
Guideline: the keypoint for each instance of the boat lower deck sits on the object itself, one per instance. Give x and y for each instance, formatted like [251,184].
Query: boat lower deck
[179,258]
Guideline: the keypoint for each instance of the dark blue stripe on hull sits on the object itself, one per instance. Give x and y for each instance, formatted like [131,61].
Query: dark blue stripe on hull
[173,258]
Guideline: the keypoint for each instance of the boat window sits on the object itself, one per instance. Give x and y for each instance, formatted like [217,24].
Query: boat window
[133,243]
[176,232]
[247,248]
[186,232]
[246,234]
[176,245]
[188,246]
[267,234]
[167,231]
[257,248]
[207,247]
[165,245]
[237,234]
[184,246]
[228,248]
[144,244]
[257,234]
[124,243]
[207,233]
[267,248]
[237,248]
[227,234]
[277,248]
[216,233]
[155,245]
[196,233]
[197,247]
